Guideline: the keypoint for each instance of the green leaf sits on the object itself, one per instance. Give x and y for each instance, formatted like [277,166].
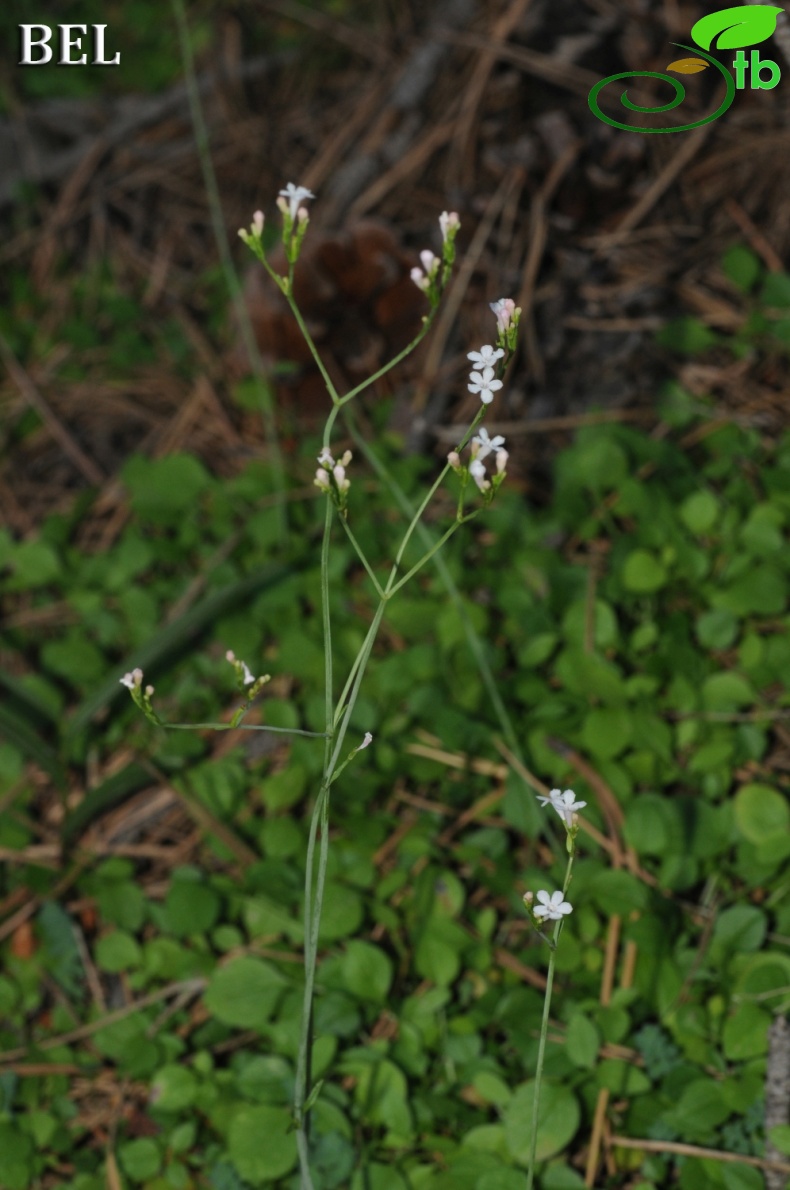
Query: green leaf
[643,573]
[746,1033]
[367,971]
[726,692]
[140,1159]
[776,290]
[558,1119]
[262,1144]
[779,1137]
[699,512]
[582,1041]
[746,24]
[761,813]
[245,993]
[16,1170]
[742,266]
[700,1109]
[606,731]
[173,1088]
[191,907]
[57,933]
[117,952]
[740,928]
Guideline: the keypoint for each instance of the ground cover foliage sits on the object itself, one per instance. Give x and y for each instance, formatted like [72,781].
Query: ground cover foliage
[151,988]
[633,605]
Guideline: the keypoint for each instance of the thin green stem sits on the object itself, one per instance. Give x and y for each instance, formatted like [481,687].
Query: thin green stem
[544,1026]
[360,554]
[318,735]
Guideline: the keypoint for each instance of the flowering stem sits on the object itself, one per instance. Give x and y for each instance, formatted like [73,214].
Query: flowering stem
[543,1031]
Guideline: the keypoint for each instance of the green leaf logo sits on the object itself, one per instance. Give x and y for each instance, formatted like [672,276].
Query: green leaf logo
[748,24]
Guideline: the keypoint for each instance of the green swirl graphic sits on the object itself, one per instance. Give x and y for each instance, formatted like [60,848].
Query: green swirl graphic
[680,95]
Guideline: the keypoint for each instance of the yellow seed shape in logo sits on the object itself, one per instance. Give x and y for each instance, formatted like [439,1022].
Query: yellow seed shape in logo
[688,65]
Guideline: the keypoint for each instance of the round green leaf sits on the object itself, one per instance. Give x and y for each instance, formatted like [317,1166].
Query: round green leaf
[190,908]
[140,1159]
[245,992]
[367,971]
[262,1143]
[117,951]
[606,731]
[761,813]
[558,1119]
[174,1088]
[699,511]
[643,572]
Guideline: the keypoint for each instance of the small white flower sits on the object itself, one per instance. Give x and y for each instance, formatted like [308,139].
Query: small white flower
[248,677]
[325,457]
[429,262]
[501,461]
[339,473]
[553,908]
[504,310]
[367,740]
[485,444]
[448,221]
[420,280]
[133,680]
[454,459]
[484,384]
[486,357]
[322,480]
[294,195]
[564,803]
[478,472]
[257,223]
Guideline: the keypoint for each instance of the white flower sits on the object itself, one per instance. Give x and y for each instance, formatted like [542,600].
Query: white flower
[504,310]
[486,357]
[485,444]
[325,457]
[429,262]
[478,473]
[553,908]
[501,461]
[322,480]
[484,384]
[248,677]
[133,680]
[295,194]
[420,280]
[367,740]
[257,223]
[564,803]
[339,473]
[448,221]
[454,459]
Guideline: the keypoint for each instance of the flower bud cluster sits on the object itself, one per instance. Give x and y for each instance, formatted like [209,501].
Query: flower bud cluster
[331,477]
[295,221]
[481,446]
[435,271]
[507,315]
[246,681]
[140,696]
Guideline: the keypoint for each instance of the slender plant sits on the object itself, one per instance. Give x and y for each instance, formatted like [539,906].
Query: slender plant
[333,481]
[551,907]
